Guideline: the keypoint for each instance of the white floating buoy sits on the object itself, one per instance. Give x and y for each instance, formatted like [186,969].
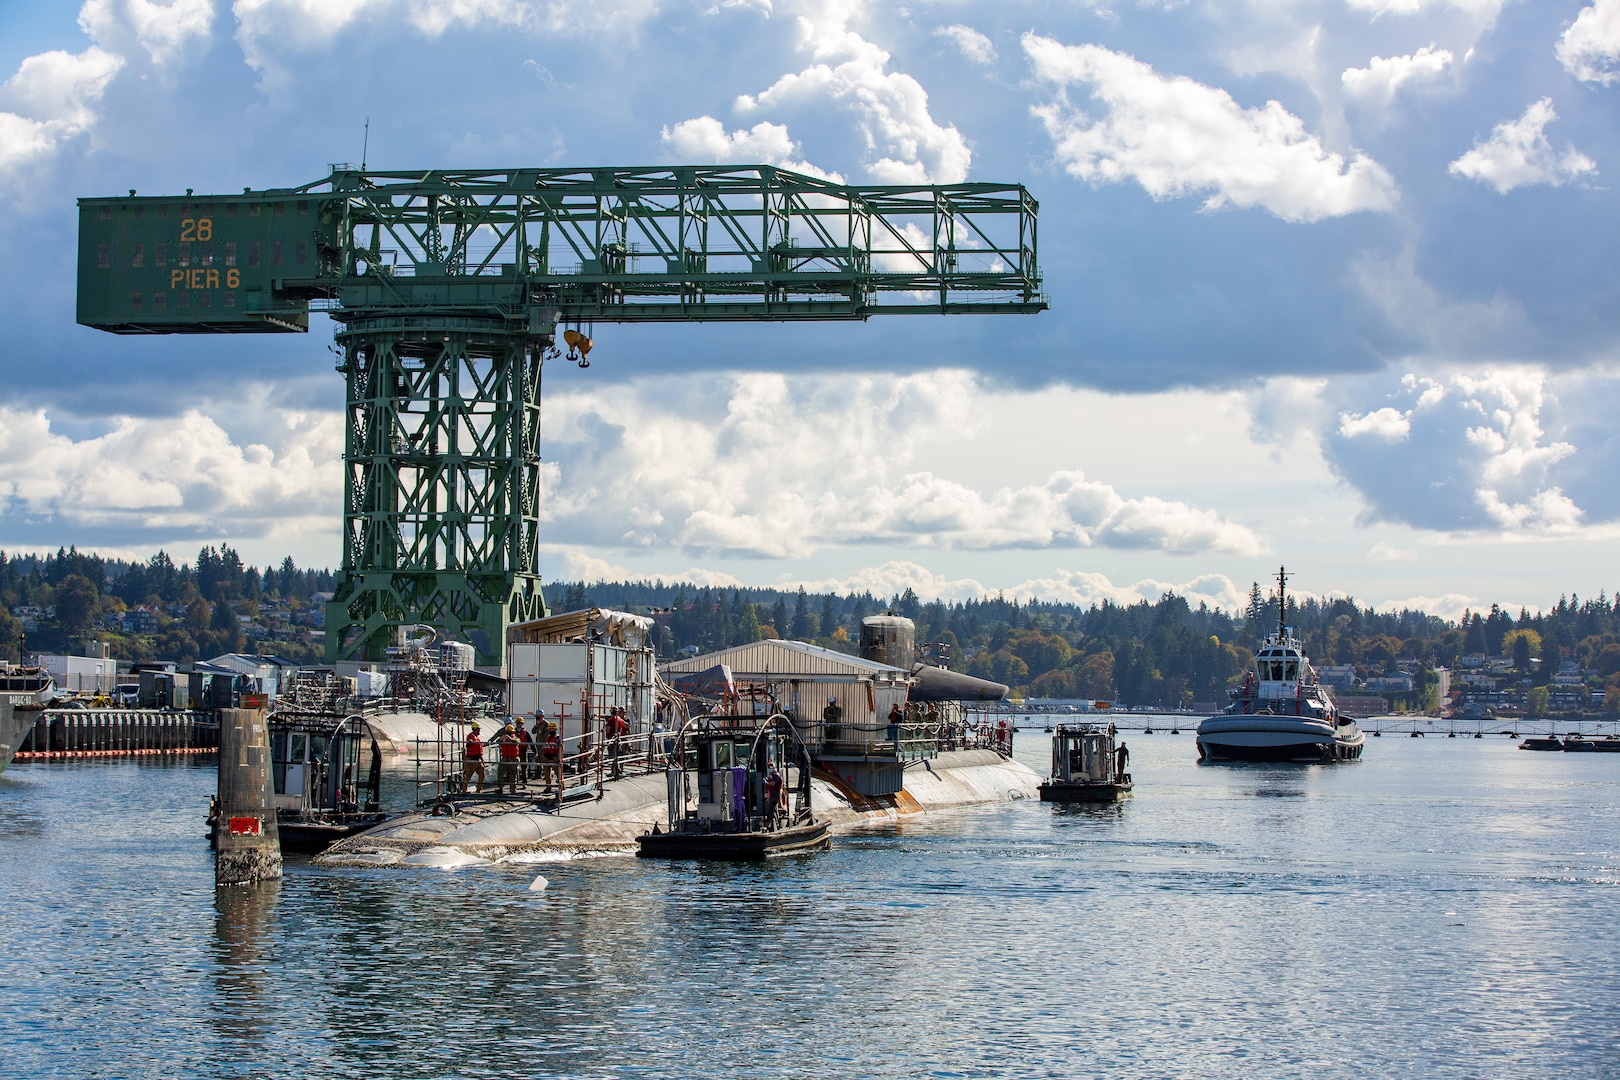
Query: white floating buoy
[539,884]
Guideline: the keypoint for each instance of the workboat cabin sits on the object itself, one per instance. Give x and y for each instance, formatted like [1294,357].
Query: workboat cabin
[739,788]
[326,779]
[1087,766]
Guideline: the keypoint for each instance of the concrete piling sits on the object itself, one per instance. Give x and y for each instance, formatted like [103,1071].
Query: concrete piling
[247,847]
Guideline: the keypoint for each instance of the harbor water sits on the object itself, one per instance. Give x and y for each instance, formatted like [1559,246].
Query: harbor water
[1442,908]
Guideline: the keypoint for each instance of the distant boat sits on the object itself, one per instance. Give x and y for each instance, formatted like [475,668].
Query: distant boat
[1281,712]
[1541,742]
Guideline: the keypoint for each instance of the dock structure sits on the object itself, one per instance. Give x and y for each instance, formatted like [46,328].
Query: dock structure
[76,734]
[247,845]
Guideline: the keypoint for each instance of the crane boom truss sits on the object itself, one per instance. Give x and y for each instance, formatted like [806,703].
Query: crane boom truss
[450,286]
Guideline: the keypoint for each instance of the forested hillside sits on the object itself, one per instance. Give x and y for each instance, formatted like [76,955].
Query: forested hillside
[188,610]
[1163,653]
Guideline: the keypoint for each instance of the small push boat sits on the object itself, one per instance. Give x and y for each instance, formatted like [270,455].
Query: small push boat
[1086,766]
[739,790]
[326,780]
[1541,742]
[1576,744]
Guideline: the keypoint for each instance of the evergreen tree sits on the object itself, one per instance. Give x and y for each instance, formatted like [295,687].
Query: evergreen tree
[1521,652]
[725,627]
[77,603]
[801,616]
[748,626]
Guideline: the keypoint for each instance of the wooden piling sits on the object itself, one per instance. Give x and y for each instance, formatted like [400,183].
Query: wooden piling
[246,844]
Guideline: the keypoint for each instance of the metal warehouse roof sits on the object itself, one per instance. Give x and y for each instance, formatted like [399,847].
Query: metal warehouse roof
[774,656]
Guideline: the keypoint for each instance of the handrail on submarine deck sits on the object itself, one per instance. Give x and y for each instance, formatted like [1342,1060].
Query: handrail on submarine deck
[917,737]
[588,760]
[591,757]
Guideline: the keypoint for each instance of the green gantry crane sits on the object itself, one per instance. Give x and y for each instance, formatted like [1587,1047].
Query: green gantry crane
[452,288]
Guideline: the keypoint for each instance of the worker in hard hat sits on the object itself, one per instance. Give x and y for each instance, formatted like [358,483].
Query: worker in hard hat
[551,757]
[511,753]
[472,762]
[832,719]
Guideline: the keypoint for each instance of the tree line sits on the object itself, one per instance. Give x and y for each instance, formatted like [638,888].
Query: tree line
[1163,653]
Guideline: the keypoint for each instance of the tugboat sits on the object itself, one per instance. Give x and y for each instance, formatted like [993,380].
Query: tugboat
[1281,712]
[1086,766]
[739,789]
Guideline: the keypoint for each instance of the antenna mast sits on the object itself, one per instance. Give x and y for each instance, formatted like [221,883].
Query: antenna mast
[1282,602]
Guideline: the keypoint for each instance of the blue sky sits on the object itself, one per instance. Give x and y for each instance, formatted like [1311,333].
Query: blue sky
[1332,284]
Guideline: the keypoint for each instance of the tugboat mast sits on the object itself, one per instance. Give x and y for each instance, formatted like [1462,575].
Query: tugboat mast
[1282,603]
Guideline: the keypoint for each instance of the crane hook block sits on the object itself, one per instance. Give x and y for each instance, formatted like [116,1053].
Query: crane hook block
[579,346]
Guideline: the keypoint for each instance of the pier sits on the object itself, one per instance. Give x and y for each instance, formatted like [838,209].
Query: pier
[72,734]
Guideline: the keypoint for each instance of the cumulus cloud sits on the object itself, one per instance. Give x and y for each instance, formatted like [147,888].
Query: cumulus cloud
[164,30]
[267,27]
[1080,587]
[559,562]
[1176,137]
[973,45]
[1589,48]
[1386,424]
[1449,606]
[705,139]
[50,99]
[1086,588]
[174,477]
[893,578]
[890,107]
[772,467]
[1518,154]
[1459,452]
[1381,78]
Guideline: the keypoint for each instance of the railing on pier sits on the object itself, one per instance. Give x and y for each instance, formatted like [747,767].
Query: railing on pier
[1481,727]
[59,734]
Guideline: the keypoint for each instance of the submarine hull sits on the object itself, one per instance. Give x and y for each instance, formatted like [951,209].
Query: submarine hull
[518,830]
